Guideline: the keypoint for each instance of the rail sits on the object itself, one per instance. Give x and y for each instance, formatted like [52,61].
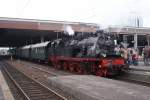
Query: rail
[29,88]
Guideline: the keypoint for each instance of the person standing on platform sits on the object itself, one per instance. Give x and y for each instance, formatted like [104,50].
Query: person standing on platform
[146,55]
[124,54]
[129,56]
[135,57]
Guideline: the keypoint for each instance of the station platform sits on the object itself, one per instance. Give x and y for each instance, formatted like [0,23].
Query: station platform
[139,72]
[1,94]
[5,93]
[89,87]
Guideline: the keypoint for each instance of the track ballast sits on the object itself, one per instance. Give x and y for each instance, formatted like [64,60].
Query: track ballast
[29,88]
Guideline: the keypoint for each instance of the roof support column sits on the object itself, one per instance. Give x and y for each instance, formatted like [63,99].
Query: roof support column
[125,39]
[135,41]
[148,40]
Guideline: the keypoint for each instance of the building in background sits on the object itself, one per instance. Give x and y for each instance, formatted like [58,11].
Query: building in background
[135,21]
[131,32]
[136,37]
[131,20]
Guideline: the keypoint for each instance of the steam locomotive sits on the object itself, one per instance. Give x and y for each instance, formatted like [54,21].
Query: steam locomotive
[81,53]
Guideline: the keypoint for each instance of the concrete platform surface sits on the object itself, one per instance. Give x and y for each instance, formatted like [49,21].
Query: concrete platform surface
[1,94]
[140,66]
[5,89]
[88,87]
[5,93]
[138,75]
[147,73]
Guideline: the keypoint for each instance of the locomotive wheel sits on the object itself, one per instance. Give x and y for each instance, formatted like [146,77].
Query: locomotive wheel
[58,66]
[101,72]
[71,68]
[79,70]
[65,66]
[55,65]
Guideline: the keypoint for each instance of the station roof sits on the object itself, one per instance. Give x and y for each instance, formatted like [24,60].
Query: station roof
[51,25]
[19,32]
[129,30]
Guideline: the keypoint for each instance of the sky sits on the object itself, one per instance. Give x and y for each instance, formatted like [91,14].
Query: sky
[103,12]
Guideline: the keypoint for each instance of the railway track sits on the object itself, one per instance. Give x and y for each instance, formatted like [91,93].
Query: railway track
[44,70]
[29,88]
[121,78]
[37,72]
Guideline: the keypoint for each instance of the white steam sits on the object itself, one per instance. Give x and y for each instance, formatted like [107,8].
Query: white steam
[69,30]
